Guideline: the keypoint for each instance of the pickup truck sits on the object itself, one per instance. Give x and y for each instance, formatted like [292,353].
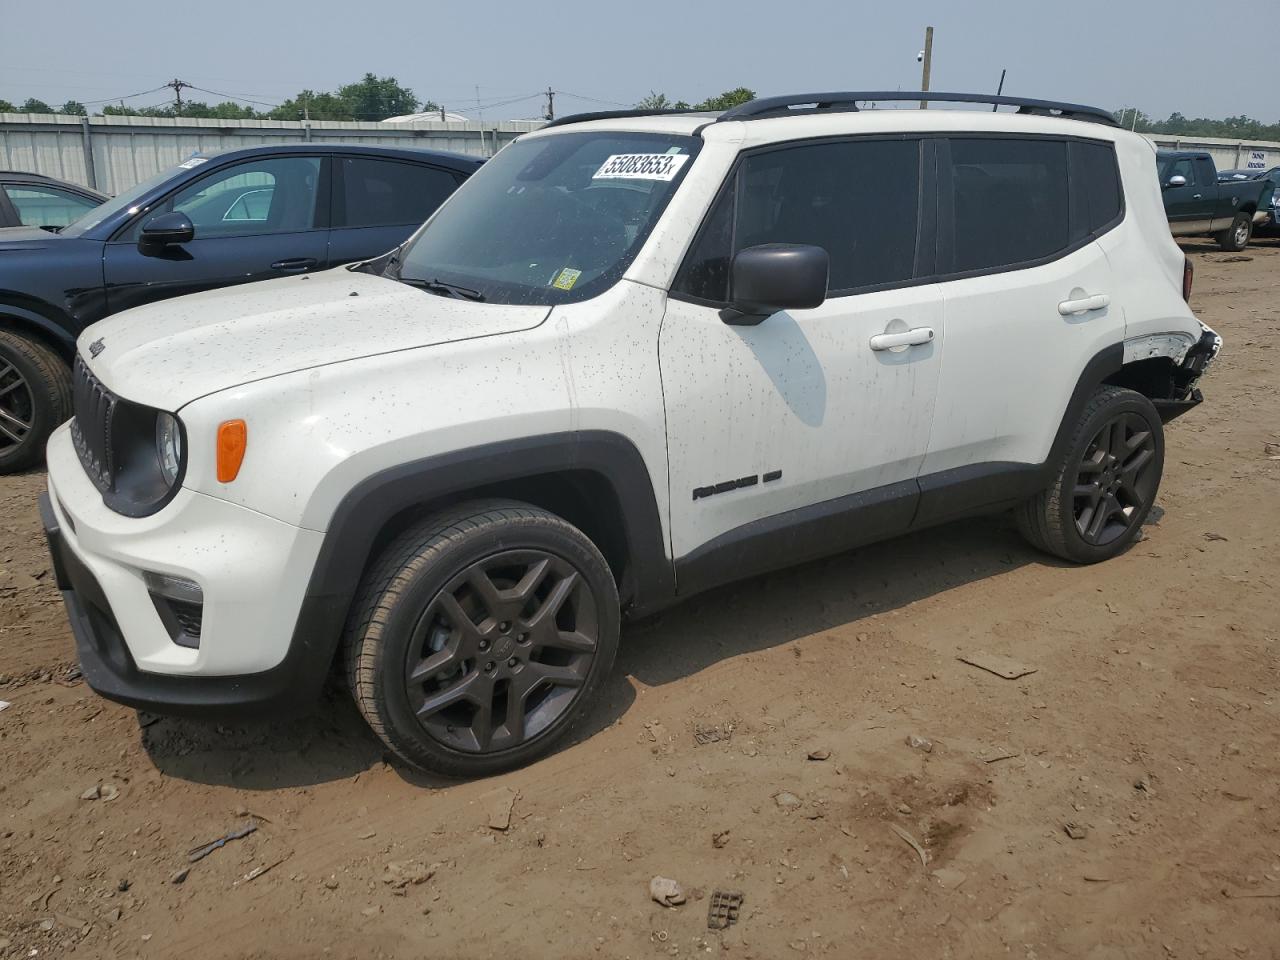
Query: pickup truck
[1271,228]
[1198,205]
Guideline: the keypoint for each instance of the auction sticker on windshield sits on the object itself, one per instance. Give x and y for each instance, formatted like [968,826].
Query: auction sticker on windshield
[641,166]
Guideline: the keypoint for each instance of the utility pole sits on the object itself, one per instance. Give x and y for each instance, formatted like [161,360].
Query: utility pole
[176,85]
[550,113]
[928,64]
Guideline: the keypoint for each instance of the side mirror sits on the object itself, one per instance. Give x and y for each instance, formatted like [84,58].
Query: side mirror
[776,276]
[166,230]
[1177,180]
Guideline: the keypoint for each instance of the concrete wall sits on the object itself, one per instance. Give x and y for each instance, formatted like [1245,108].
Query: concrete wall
[111,154]
[1227,154]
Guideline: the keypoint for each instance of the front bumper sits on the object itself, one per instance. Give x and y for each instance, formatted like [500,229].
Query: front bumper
[255,652]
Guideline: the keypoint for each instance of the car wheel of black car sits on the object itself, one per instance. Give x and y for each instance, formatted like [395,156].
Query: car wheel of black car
[1237,236]
[35,396]
[1105,483]
[479,636]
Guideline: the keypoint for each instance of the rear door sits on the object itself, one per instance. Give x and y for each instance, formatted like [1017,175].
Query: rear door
[378,203]
[254,219]
[1028,300]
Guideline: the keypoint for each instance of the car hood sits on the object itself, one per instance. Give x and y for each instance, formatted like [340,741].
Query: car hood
[167,354]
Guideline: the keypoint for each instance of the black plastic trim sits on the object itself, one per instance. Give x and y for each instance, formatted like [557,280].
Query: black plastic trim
[847,102]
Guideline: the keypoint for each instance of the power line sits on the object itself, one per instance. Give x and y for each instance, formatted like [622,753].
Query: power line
[578,96]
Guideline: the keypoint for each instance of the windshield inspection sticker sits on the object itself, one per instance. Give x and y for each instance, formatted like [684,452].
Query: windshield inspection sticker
[566,278]
[641,166]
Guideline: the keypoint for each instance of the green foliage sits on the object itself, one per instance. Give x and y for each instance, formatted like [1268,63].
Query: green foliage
[32,105]
[1232,128]
[730,98]
[7,107]
[73,108]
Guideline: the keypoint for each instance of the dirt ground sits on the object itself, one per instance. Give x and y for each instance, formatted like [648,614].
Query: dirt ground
[1149,725]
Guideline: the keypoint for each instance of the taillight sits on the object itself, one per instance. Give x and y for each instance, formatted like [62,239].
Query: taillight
[1188,276]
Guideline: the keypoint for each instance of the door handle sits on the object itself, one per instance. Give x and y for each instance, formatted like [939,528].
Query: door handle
[907,338]
[296,265]
[1097,302]
[1195,196]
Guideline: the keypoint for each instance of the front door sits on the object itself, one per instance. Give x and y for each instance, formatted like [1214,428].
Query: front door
[1189,207]
[253,220]
[803,434]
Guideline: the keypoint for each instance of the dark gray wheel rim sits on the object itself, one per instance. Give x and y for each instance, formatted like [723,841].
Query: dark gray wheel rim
[17,408]
[503,651]
[1116,479]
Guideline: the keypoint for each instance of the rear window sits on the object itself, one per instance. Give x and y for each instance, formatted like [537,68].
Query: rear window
[1010,201]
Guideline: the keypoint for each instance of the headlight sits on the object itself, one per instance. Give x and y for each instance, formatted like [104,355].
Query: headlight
[168,447]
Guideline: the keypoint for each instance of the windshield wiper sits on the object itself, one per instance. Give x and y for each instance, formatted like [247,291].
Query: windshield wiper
[444,289]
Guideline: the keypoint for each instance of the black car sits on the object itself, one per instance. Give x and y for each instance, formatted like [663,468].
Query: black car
[214,220]
[1271,228]
[34,200]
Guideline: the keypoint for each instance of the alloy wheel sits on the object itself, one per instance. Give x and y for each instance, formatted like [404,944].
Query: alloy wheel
[1115,480]
[17,407]
[502,651]
[1242,234]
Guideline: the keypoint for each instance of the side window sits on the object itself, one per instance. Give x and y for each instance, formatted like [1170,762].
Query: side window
[859,200]
[46,206]
[1205,173]
[1010,201]
[271,195]
[1180,168]
[1095,188]
[377,193]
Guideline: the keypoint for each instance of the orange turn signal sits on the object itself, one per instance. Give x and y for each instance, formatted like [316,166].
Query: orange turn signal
[233,437]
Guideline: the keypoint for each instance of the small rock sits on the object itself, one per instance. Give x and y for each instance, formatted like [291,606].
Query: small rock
[109,791]
[93,793]
[904,809]
[113,915]
[1075,831]
[498,804]
[179,876]
[401,873]
[366,834]
[666,891]
[1143,783]
[371,911]
[949,877]
[919,743]
[146,937]
[4,705]
[719,839]
[820,754]
[46,925]
[124,885]
[331,883]
[787,801]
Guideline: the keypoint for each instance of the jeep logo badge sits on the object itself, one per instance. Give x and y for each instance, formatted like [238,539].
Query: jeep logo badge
[96,348]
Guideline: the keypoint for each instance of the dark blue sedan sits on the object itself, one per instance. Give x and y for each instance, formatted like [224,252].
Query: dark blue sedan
[212,221]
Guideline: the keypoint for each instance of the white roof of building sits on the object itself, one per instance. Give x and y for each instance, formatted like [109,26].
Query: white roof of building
[431,117]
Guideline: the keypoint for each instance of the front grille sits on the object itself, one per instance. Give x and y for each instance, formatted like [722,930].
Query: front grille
[95,408]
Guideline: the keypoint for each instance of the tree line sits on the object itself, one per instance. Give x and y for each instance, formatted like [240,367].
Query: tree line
[370,98]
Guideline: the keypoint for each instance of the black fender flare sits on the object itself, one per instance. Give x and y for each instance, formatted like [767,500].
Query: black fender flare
[364,511]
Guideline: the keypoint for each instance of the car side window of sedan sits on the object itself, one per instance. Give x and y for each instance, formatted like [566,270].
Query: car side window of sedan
[260,196]
[40,206]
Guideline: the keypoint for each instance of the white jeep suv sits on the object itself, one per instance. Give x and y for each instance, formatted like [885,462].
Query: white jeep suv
[633,357]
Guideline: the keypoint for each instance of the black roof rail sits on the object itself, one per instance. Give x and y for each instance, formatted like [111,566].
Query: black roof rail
[619,114]
[847,101]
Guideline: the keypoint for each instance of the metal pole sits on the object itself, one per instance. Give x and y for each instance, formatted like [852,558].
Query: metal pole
[928,64]
[87,139]
[999,90]
[551,104]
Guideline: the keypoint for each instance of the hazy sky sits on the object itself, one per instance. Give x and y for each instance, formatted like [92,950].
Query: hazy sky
[1160,56]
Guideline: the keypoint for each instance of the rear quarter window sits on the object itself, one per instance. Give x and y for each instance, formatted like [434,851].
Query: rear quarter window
[1097,199]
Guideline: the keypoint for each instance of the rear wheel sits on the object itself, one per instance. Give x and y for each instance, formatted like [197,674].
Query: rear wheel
[35,396]
[1237,236]
[480,636]
[1105,484]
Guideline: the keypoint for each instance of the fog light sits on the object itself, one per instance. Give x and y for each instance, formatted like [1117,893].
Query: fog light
[179,602]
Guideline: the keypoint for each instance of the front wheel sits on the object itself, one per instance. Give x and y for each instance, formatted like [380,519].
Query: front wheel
[480,635]
[1104,485]
[35,396]
[1237,236]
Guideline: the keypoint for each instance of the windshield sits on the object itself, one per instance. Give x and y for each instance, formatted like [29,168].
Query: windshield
[118,202]
[549,219]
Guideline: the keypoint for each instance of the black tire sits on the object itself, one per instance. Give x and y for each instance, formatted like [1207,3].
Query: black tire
[35,397]
[430,640]
[1104,485]
[1237,236]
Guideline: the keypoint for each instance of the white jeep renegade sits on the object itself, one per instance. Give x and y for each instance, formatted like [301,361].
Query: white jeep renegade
[633,357]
